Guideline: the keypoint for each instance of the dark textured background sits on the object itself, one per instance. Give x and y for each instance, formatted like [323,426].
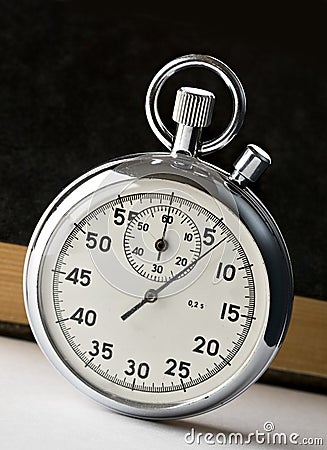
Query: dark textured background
[73,78]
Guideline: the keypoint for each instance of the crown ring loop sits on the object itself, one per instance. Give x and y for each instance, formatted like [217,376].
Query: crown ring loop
[219,68]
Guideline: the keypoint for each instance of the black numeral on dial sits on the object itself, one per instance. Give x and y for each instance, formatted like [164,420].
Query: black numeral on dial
[142,370]
[167,219]
[81,276]
[106,349]
[141,226]
[230,311]
[119,217]
[139,251]
[183,368]
[88,317]
[227,272]
[209,236]
[181,261]
[210,347]
[157,268]
[188,237]
[92,241]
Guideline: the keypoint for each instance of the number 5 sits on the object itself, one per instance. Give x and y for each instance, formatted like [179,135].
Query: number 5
[208,235]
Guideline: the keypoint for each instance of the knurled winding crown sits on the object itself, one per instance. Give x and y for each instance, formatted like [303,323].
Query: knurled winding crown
[193,107]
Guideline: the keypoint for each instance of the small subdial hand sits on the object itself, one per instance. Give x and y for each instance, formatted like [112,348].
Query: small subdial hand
[161,244]
[152,294]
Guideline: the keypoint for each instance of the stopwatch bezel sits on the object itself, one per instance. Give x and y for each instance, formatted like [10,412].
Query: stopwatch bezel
[270,242]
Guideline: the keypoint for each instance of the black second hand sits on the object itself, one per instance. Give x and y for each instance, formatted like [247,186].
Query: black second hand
[167,283]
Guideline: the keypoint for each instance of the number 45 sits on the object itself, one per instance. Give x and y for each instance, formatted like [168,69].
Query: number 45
[81,276]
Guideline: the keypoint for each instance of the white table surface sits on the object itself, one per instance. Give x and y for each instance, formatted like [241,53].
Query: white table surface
[39,409]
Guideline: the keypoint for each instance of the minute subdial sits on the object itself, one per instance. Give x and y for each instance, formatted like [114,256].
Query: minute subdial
[143,239]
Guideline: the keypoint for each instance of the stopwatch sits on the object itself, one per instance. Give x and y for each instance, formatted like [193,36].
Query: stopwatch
[157,283]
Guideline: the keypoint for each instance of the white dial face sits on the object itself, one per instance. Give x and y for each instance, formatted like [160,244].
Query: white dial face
[153,292]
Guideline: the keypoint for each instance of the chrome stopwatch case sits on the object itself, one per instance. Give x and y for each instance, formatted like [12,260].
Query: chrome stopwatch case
[158,284]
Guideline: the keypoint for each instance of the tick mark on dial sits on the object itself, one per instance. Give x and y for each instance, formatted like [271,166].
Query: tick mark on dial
[248,317]
[58,271]
[79,227]
[217,223]
[171,198]
[245,267]
[225,360]
[89,362]
[120,201]
[62,320]
[183,385]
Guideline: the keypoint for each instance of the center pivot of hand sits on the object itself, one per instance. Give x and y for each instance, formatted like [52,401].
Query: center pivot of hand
[151,295]
[161,245]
